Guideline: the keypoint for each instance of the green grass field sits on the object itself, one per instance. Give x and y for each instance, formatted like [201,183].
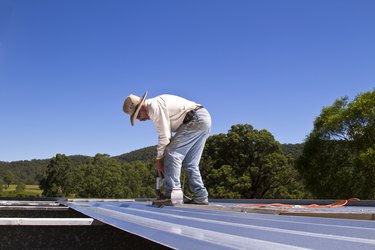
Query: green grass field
[30,191]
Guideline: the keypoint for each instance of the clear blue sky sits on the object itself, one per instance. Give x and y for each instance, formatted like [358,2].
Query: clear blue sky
[67,65]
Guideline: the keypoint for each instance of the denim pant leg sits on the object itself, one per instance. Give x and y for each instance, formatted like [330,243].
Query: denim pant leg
[191,165]
[186,148]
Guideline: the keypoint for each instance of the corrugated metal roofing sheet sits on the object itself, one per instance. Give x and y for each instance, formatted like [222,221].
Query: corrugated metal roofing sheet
[184,227]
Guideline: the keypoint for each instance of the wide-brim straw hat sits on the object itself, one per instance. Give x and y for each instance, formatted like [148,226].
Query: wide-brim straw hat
[132,105]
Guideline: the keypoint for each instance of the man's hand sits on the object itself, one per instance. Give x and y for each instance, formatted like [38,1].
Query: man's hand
[159,165]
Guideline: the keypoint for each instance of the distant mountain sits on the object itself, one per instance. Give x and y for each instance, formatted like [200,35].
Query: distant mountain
[29,172]
[143,154]
[149,153]
[294,150]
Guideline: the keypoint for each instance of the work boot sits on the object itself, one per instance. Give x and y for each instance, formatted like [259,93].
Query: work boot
[197,201]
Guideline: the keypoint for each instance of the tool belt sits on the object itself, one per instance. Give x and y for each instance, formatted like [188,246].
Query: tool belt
[191,114]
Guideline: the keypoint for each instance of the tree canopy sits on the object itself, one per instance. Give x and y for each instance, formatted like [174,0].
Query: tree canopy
[338,160]
[248,163]
[56,182]
[98,177]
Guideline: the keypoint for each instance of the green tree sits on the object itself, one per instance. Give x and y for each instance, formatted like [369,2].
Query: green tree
[139,181]
[219,181]
[101,177]
[57,180]
[338,157]
[246,163]
[8,179]
[20,187]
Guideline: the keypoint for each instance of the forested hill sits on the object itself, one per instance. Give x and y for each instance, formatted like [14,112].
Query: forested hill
[29,172]
[294,150]
[149,153]
[142,154]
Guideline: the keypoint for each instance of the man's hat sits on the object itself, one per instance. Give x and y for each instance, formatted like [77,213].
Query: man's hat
[132,105]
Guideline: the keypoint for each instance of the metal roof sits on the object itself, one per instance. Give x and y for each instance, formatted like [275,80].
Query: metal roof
[219,227]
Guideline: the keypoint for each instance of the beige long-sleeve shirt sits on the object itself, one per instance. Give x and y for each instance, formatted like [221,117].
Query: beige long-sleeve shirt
[167,112]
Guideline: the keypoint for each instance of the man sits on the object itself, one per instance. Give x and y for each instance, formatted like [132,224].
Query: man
[191,124]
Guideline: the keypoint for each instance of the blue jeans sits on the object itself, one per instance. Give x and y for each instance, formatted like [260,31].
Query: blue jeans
[185,150]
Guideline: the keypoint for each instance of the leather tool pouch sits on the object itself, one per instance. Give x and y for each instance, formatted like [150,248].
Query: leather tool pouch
[189,116]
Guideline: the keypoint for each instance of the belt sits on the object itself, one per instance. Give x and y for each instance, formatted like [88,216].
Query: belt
[190,115]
